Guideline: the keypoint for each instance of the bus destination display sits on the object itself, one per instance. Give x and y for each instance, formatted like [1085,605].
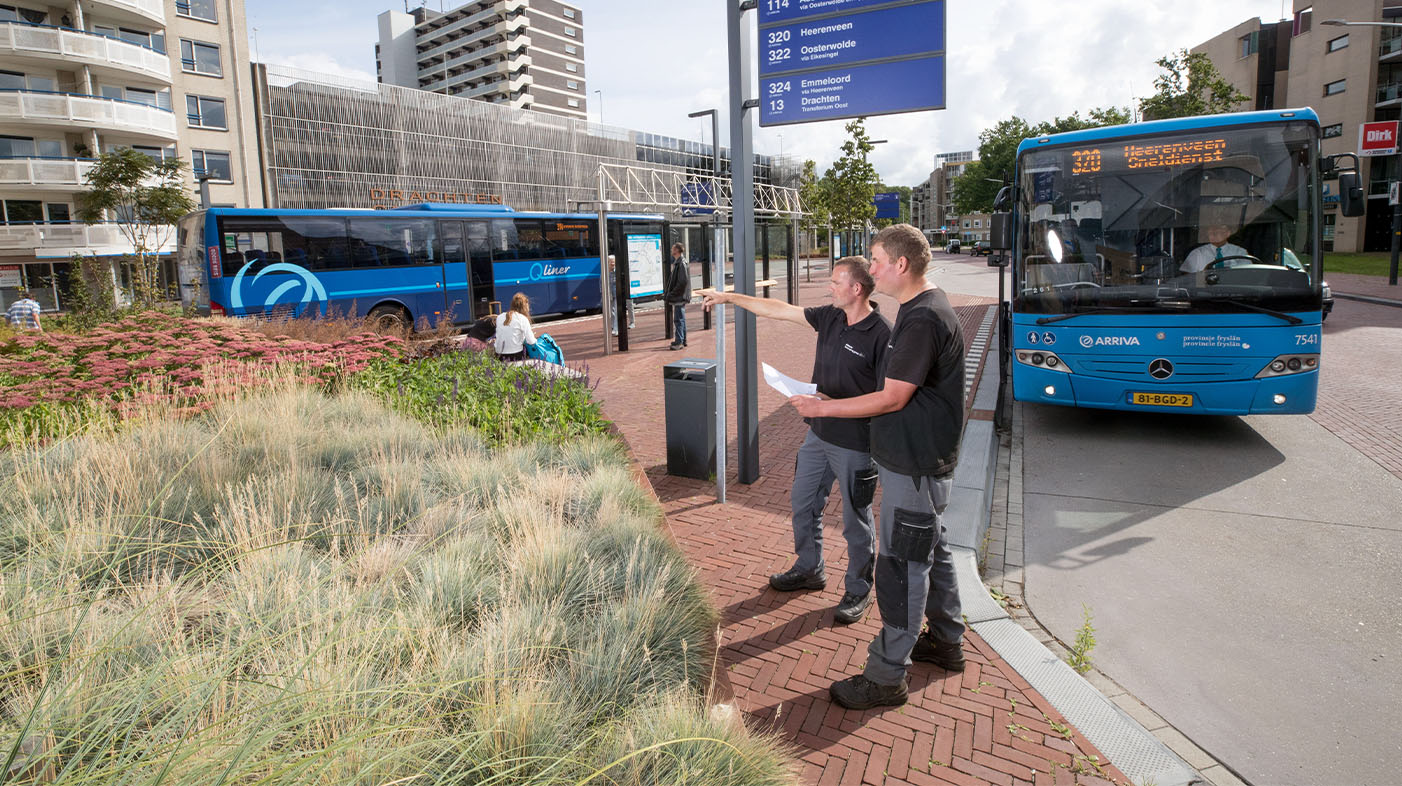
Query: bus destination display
[1090,161]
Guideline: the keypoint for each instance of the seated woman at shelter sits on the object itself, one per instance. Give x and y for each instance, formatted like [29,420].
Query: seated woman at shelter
[514,329]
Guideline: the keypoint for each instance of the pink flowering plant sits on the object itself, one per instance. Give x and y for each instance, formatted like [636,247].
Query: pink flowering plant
[51,382]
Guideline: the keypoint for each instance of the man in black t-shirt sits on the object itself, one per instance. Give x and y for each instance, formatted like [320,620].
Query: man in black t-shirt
[852,339]
[916,424]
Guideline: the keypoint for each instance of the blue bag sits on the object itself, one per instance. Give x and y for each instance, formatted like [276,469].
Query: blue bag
[546,349]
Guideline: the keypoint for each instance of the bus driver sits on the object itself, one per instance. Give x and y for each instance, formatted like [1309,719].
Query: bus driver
[1214,249]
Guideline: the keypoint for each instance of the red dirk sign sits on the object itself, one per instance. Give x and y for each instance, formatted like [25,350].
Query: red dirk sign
[1377,139]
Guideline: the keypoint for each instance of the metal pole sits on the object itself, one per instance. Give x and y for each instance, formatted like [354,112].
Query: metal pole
[1396,239]
[605,297]
[741,49]
[718,262]
[793,261]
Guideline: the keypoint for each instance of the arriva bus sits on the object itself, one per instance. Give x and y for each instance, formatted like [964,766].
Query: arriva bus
[1172,265]
[415,265]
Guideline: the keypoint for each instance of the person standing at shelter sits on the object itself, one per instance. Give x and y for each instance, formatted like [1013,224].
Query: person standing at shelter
[678,294]
[916,424]
[514,329]
[852,338]
[23,314]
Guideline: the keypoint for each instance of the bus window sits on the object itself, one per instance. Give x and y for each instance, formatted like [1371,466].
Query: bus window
[570,239]
[530,238]
[316,243]
[504,245]
[479,254]
[392,242]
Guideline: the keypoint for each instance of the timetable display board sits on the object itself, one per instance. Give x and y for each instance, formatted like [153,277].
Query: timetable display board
[645,270]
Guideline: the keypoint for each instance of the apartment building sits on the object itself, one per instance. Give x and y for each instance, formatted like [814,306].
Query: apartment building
[165,77]
[525,54]
[1349,74]
[932,200]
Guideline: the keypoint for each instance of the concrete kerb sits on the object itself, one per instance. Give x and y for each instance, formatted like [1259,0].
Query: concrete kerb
[1127,743]
[1377,301]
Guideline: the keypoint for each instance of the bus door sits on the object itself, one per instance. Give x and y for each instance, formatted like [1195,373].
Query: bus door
[482,290]
[456,292]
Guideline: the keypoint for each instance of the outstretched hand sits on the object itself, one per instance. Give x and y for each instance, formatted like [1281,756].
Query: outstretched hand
[713,298]
[807,406]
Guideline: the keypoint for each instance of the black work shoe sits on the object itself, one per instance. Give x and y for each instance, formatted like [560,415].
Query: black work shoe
[946,655]
[860,693]
[791,580]
[852,608]
[674,346]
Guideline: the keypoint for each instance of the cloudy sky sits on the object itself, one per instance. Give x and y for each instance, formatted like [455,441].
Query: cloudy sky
[656,60]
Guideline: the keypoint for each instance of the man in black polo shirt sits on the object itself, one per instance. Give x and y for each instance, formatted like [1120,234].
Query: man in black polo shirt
[852,338]
[917,420]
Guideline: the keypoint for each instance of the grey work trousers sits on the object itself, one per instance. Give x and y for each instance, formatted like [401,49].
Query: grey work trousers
[819,464]
[914,573]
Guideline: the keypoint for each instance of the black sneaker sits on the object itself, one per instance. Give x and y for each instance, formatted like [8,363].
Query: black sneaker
[674,346]
[946,655]
[791,580]
[860,693]
[852,608]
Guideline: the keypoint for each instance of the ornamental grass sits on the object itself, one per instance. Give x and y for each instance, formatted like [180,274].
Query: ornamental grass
[301,588]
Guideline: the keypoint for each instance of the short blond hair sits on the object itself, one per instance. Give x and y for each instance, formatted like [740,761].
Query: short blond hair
[904,240]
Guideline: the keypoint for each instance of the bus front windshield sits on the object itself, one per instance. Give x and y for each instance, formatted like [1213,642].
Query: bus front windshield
[1211,220]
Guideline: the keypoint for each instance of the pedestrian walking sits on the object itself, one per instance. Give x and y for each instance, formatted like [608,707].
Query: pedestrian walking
[678,294]
[852,338]
[916,424]
[23,314]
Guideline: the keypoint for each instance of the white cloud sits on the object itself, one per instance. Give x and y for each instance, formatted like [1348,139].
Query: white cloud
[654,61]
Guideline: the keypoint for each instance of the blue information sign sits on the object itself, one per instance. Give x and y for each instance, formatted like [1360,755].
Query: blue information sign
[789,10]
[697,200]
[852,91]
[883,33]
[888,204]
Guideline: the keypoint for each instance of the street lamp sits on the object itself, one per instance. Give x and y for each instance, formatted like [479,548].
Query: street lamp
[1396,208]
[600,94]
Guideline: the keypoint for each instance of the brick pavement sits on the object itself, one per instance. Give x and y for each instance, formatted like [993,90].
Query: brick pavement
[1360,373]
[778,653]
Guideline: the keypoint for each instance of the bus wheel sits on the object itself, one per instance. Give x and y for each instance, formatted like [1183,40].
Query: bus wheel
[388,319]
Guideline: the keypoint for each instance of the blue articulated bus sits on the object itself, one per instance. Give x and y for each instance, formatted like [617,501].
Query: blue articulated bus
[410,266]
[1172,265]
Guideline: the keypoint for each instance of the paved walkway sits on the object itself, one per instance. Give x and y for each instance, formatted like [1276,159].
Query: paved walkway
[780,652]
[1364,286]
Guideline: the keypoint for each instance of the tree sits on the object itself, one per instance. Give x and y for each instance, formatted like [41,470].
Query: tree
[975,189]
[1190,85]
[812,193]
[852,180]
[146,197]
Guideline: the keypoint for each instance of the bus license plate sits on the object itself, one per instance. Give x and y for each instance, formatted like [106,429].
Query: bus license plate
[1161,399]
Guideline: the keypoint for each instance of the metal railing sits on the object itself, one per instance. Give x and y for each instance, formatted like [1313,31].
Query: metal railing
[86,111]
[645,188]
[42,171]
[63,240]
[1389,92]
[89,48]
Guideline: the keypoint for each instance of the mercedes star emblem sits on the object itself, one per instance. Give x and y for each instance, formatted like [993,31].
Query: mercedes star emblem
[1160,369]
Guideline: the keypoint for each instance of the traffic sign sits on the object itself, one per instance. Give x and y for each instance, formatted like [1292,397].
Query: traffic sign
[853,91]
[882,33]
[697,199]
[1377,139]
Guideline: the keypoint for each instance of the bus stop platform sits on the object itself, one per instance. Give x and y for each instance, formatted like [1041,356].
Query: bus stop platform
[1369,289]
[778,652]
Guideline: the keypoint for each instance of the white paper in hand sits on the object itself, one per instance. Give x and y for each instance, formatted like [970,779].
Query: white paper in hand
[785,384]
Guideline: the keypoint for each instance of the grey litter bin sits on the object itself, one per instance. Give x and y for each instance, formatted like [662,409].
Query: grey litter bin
[689,399]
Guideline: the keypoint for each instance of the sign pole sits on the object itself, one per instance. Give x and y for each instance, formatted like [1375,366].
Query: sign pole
[1393,197]
[740,46]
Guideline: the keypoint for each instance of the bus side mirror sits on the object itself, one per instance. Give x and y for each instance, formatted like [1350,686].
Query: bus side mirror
[1000,233]
[1351,202]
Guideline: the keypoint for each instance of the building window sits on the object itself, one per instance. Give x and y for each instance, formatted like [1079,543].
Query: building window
[1303,18]
[978,223]
[574,102]
[571,84]
[571,49]
[573,68]
[1335,130]
[137,95]
[1249,44]
[154,153]
[1334,88]
[1338,43]
[197,57]
[570,31]
[10,13]
[569,13]
[196,9]
[214,162]
[204,112]
[27,147]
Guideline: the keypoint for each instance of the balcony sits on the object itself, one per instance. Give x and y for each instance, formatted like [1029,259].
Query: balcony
[61,241]
[503,69]
[426,33]
[60,47]
[73,112]
[1390,49]
[502,89]
[130,11]
[502,29]
[56,174]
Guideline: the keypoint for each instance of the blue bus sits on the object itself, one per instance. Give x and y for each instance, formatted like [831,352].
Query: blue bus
[411,266]
[1171,265]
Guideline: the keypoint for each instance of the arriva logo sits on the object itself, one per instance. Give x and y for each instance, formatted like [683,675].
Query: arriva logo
[1109,341]
[311,286]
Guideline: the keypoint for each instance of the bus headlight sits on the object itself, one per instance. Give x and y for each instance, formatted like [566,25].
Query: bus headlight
[1285,365]
[1041,359]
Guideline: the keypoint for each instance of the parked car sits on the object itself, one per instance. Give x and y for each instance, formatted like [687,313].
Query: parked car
[1328,300]
[980,249]
[952,247]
